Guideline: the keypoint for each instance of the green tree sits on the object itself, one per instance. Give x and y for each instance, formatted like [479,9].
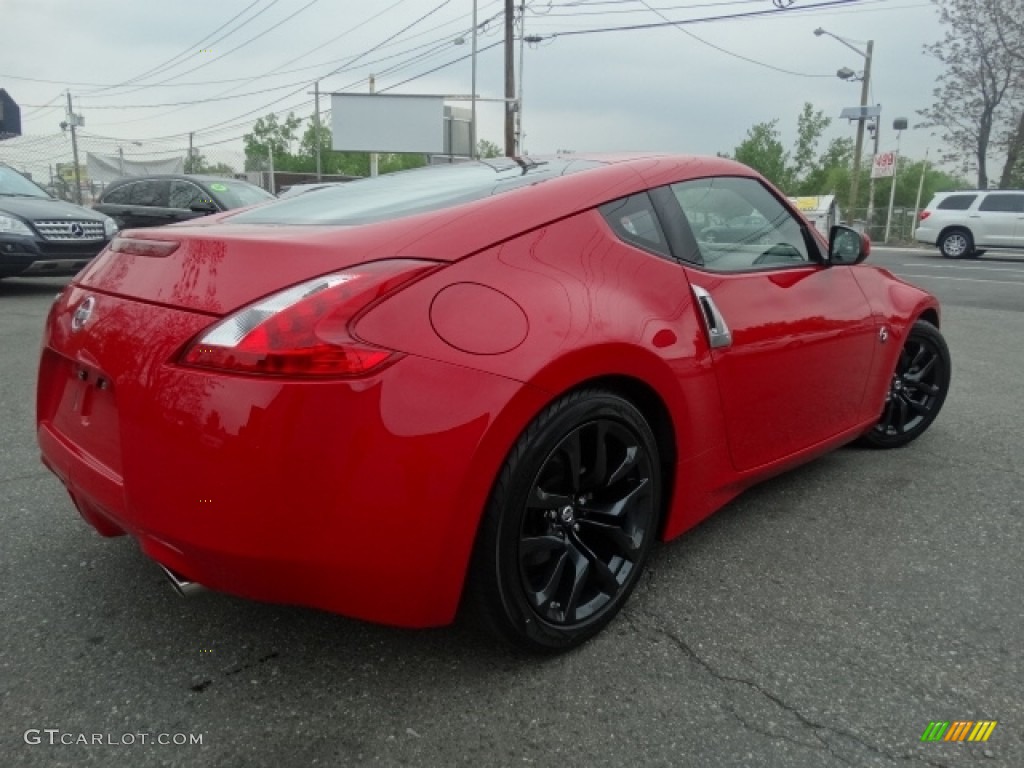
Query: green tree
[271,135]
[485,149]
[198,163]
[762,150]
[978,99]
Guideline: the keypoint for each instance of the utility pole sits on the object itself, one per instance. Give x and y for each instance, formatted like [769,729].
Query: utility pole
[510,79]
[520,136]
[373,155]
[316,127]
[472,97]
[191,156]
[120,157]
[859,148]
[73,122]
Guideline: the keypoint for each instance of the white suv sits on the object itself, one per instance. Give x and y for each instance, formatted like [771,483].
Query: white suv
[964,224]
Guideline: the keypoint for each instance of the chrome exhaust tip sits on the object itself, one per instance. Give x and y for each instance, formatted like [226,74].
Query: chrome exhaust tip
[183,587]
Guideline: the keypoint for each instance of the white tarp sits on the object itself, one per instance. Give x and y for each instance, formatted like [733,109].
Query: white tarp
[107,168]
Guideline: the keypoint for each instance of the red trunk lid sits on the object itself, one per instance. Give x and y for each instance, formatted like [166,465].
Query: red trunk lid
[217,269]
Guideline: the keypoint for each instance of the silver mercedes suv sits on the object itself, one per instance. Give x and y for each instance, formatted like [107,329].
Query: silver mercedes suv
[965,224]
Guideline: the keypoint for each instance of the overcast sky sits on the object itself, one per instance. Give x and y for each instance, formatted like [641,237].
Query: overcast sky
[647,89]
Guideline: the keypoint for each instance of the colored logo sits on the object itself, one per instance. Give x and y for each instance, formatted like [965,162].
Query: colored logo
[959,730]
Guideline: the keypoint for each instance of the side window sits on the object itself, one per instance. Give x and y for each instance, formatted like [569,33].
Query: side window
[185,194]
[152,193]
[633,219]
[956,203]
[1004,203]
[119,196]
[739,225]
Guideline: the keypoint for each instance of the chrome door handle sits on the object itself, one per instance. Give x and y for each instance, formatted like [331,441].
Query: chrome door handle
[719,335]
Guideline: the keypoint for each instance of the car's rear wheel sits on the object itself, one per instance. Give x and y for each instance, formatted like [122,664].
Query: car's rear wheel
[570,523]
[956,244]
[917,389]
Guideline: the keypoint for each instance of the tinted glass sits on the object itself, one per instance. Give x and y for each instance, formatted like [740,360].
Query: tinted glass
[153,193]
[13,183]
[634,220]
[739,225]
[395,195]
[1007,203]
[231,193]
[956,203]
[118,195]
[185,194]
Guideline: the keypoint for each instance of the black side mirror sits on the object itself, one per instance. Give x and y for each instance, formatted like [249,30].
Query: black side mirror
[847,246]
[203,206]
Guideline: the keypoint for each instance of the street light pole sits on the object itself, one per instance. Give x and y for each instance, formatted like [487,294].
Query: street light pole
[864,92]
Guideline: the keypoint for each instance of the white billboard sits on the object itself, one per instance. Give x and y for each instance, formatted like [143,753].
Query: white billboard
[367,122]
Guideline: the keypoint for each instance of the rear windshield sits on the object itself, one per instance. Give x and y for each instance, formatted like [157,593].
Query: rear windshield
[395,195]
[238,194]
[956,203]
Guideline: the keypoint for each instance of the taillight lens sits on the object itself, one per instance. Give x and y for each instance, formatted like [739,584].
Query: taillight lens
[303,331]
[924,215]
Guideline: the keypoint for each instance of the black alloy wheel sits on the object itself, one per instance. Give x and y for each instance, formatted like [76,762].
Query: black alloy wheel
[917,389]
[571,523]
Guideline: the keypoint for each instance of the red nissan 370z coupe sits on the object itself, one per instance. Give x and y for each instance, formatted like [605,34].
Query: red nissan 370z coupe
[497,381]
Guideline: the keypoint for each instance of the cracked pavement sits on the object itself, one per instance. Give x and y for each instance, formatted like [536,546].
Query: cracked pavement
[821,619]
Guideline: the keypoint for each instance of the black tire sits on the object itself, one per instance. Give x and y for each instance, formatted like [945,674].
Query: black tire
[917,390]
[570,523]
[976,254]
[956,244]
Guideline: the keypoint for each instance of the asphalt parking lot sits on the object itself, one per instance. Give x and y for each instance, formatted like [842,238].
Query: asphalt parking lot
[822,619]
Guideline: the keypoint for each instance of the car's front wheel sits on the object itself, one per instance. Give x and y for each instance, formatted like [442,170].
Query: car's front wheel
[570,523]
[917,389]
[956,244]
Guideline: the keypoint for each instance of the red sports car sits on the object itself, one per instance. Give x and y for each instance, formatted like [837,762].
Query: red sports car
[497,381]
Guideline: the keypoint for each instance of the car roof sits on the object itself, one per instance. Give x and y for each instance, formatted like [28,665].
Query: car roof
[173,176]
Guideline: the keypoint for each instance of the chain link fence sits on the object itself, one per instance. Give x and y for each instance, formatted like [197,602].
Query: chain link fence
[901,226]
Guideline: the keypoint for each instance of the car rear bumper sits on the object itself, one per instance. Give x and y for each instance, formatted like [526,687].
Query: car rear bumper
[355,497]
[926,235]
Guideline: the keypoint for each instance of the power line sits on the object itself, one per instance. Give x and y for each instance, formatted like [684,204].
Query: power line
[166,64]
[723,50]
[704,19]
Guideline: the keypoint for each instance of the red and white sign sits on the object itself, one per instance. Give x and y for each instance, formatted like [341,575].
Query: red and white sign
[884,165]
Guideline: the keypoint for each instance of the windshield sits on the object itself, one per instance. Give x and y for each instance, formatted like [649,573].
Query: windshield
[238,194]
[13,183]
[409,192]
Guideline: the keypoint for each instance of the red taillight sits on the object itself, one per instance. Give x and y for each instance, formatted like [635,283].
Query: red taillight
[924,215]
[304,331]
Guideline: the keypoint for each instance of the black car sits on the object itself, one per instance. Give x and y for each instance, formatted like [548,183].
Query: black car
[151,201]
[41,236]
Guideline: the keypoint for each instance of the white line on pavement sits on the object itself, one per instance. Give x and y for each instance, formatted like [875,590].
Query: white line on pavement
[965,266]
[963,279]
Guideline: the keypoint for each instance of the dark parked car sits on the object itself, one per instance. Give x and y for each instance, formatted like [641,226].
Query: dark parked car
[151,201]
[43,236]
